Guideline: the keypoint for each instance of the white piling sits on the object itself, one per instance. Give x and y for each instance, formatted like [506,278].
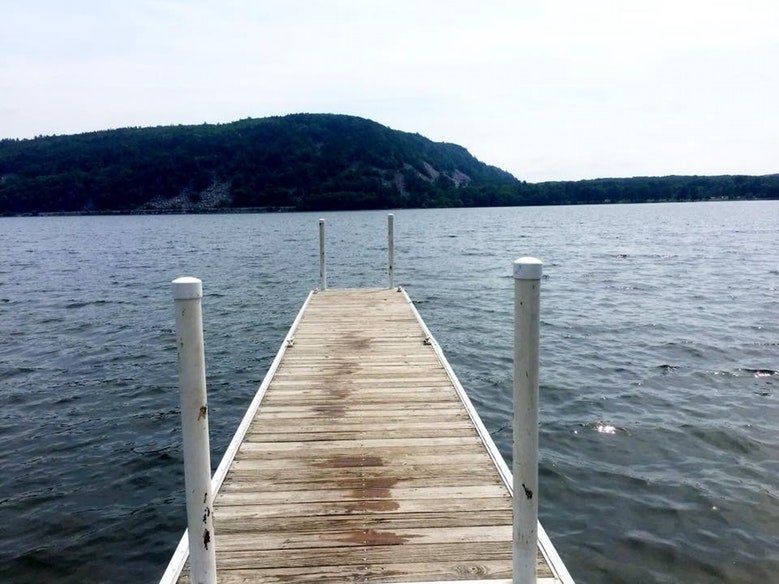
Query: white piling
[187,295]
[322,266]
[527,283]
[391,248]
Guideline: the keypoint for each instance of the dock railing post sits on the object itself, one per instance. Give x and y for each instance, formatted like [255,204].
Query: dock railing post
[187,295]
[391,248]
[527,283]
[322,266]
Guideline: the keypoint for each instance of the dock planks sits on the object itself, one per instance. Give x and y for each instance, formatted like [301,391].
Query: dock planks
[362,463]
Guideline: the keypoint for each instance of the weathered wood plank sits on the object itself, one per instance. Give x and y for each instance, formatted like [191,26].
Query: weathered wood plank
[365,555]
[316,471]
[358,434]
[276,426]
[246,541]
[245,482]
[368,444]
[371,556]
[426,409]
[388,413]
[351,495]
[374,507]
[430,571]
[382,456]
[379,522]
[270,460]
[362,465]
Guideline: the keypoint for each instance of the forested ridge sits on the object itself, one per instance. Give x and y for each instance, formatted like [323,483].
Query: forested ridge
[297,162]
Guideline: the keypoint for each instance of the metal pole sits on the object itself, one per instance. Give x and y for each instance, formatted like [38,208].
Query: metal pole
[322,266]
[391,248]
[187,295]
[527,283]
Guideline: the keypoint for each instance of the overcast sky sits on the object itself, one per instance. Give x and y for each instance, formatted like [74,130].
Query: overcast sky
[546,89]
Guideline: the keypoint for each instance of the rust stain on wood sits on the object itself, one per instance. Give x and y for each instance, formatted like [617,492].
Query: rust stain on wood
[373,537]
[338,393]
[336,411]
[373,505]
[357,343]
[376,483]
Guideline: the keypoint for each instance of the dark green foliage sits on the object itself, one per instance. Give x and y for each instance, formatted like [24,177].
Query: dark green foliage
[301,161]
[666,188]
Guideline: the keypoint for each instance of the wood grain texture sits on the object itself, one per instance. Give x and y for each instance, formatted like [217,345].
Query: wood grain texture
[362,465]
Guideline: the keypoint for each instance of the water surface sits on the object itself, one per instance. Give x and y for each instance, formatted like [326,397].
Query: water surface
[660,356]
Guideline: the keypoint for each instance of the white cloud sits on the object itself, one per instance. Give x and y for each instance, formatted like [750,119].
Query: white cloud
[545,89]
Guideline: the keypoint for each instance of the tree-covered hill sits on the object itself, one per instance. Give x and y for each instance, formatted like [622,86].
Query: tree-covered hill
[304,161]
[301,161]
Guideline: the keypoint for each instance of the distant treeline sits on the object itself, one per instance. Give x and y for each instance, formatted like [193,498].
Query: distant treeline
[299,162]
[664,188]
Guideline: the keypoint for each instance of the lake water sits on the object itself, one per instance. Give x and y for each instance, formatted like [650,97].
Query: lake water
[659,383]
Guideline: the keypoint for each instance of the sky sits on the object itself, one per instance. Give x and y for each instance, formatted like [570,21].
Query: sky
[546,89]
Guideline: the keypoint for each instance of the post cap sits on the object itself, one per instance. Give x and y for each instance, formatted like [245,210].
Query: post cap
[187,288]
[527,268]
[321,221]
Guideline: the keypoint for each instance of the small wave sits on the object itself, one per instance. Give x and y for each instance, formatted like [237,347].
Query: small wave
[14,371]
[161,453]
[66,399]
[503,428]
[604,428]
[666,368]
[727,440]
[83,304]
[692,348]
[748,372]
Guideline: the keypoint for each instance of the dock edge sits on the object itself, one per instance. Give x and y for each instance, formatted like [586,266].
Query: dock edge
[179,558]
[547,548]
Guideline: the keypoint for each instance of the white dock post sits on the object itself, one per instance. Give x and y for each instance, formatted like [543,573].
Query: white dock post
[527,283]
[187,295]
[391,248]
[322,266]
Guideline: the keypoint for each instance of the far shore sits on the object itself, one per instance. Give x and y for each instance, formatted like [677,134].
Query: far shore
[244,210]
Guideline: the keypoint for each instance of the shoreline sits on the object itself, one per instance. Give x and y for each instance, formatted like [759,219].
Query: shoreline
[283,209]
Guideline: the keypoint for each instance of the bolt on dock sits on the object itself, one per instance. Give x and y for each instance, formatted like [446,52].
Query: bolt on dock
[360,459]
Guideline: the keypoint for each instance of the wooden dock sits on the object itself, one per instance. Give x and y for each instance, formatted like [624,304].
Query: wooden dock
[361,459]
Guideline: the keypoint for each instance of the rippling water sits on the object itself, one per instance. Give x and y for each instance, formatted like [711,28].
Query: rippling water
[660,358]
